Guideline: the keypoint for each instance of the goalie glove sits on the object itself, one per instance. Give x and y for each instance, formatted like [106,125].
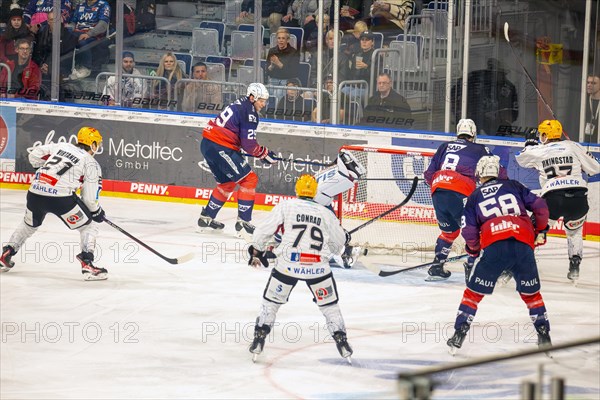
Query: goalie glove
[350,166]
[540,236]
[257,258]
[348,237]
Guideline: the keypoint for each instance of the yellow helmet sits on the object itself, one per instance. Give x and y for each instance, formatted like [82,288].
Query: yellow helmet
[88,135]
[306,186]
[551,128]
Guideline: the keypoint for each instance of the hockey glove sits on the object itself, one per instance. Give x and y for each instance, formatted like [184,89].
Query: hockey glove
[531,142]
[472,252]
[98,215]
[540,237]
[257,258]
[267,156]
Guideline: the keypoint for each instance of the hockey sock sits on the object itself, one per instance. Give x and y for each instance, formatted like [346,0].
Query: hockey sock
[443,244]
[537,309]
[333,318]
[468,308]
[87,237]
[574,241]
[21,234]
[245,209]
[213,207]
[246,196]
[268,313]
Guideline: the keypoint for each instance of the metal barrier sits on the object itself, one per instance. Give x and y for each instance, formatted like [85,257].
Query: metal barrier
[153,89]
[297,103]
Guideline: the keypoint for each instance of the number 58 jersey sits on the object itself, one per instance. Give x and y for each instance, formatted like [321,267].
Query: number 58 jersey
[62,168]
[497,210]
[560,164]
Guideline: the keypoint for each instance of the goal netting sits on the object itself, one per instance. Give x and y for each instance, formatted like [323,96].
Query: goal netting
[387,182]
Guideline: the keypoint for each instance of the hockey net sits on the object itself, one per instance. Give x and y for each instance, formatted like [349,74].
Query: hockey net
[388,180]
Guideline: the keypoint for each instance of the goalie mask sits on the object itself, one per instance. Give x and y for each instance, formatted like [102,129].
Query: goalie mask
[306,186]
[550,129]
[466,127]
[488,167]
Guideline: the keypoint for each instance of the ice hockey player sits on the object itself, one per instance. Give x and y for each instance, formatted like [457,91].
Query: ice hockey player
[223,139]
[496,220]
[311,234]
[560,164]
[62,168]
[451,176]
[335,180]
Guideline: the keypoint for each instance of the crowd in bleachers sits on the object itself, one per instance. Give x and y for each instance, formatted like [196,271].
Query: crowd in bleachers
[169,53]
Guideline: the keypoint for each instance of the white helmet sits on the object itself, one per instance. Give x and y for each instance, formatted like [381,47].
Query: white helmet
[466,127]
[488,166]
[258,90]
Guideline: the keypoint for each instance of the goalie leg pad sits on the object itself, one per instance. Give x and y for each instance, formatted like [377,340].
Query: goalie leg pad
[279,287]
[330,187]
[324,290]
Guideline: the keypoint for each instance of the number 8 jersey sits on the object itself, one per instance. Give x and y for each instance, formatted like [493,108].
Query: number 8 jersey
[560,164]
[62,168]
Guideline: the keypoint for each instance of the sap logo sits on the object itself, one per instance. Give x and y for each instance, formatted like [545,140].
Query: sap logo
[488,191]
[251,118]
[453,147]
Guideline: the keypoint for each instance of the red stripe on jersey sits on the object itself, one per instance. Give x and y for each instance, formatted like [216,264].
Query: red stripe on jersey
[452,180]
[221,136]
[506,227]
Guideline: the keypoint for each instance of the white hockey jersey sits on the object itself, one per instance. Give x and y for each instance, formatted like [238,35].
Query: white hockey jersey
[311,235]
[560,164]
[62,168]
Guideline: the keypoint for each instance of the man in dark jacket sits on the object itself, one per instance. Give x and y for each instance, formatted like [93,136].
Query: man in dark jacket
[272,12]
[386,106]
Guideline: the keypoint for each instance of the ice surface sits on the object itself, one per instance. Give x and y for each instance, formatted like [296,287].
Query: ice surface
[155,330]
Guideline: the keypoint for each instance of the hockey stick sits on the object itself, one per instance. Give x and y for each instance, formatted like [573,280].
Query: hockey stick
[529,76]
[297,161]
[177,260]
[381,273]
[391,210]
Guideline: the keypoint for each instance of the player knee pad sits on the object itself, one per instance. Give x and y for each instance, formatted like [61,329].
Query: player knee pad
[248,185]
[449,236]
[333,318]
[324,290]
[224,190]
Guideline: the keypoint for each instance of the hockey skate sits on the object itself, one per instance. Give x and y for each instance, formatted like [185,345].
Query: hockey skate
[341,342]
[574,268]
[437,272]
[544,340]
[244,229]
[206,223]
[89,270]
[260,334]
[5,259]
[456,341]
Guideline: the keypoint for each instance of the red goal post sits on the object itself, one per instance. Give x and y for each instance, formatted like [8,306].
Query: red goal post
[388,179]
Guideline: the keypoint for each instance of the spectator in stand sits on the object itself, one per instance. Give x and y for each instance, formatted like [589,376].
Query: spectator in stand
[15,30]
[326,103]
[196,93]
[283,61]
[386,102]
[306,13]
[169,69]
[131,88]
[42,52]
[25,74]
[390,16]
[350,13]
[592,118]
[36,13]
[90,23]
[351,41]
[291,106]
[272,12]
[359,67]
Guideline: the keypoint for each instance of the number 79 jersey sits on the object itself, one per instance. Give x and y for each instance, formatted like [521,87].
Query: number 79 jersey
[311,235]
[62,168]
[497,210]
[560,164]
